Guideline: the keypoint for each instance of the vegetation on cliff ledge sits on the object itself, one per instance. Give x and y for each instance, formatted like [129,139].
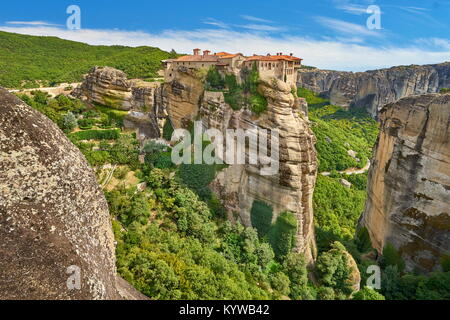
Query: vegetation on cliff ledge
[238,95]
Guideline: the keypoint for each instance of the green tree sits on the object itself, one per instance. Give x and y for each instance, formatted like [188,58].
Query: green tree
[282,235]
[69,122]
[325,293]
[281,283]
[367,293]
[391,257]
[261,216]
[173,54]
[214,79]
[332,269]
[295,268]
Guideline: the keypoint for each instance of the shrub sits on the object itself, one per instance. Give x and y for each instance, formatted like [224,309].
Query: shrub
[367,293]
[96,135]
[325,293]
[258,103]
[234,99]
[214,79]
[86,124]
[168,130]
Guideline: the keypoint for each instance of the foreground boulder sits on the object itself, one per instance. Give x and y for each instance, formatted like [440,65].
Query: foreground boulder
[54,219]
[409,182]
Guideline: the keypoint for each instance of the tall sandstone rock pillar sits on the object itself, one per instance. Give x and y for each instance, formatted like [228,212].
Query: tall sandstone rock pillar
[409,182]
[238,186]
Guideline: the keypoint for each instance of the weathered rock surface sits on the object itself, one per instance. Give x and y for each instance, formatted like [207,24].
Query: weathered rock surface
[181,97]
[291,188]
[409,182]
[374,89]
[53,215]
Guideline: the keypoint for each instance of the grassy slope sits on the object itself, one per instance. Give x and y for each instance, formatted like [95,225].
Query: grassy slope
[53,60]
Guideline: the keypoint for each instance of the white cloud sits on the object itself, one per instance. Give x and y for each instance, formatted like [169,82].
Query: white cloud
[255,19]
[435,43]
[260,27]
[216,23]
[325,54]
[31,23]
[353,8]
[344,27]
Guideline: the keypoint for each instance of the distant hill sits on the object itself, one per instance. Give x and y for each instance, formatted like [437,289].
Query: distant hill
[26,61]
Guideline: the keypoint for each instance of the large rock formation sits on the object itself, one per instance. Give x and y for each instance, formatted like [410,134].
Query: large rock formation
[374,89]
[238,186]
[110,87]
[181,98]
[409,182]
[54,219]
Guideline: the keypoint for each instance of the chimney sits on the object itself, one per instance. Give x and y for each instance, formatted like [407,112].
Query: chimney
[206,52]
[196,52]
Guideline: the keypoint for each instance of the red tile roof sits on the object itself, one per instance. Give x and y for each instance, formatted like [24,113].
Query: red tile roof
[273,58]
[226,55]
[199,58]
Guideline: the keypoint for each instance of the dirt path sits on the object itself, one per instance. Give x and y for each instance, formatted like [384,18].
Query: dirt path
[351,170]
[108,178]
[53,91]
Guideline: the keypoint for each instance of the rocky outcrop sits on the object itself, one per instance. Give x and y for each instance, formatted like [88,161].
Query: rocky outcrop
[181,97]
[291,188]
[54,219]
[374,89]
[409,182]
[110,87]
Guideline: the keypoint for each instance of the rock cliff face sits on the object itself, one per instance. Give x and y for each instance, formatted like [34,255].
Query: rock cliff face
[374,89]
[409,182]
[110,87]
[239,186]
[54,219]
[181,97]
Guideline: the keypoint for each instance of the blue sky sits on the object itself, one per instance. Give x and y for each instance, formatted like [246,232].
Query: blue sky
[330,34]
